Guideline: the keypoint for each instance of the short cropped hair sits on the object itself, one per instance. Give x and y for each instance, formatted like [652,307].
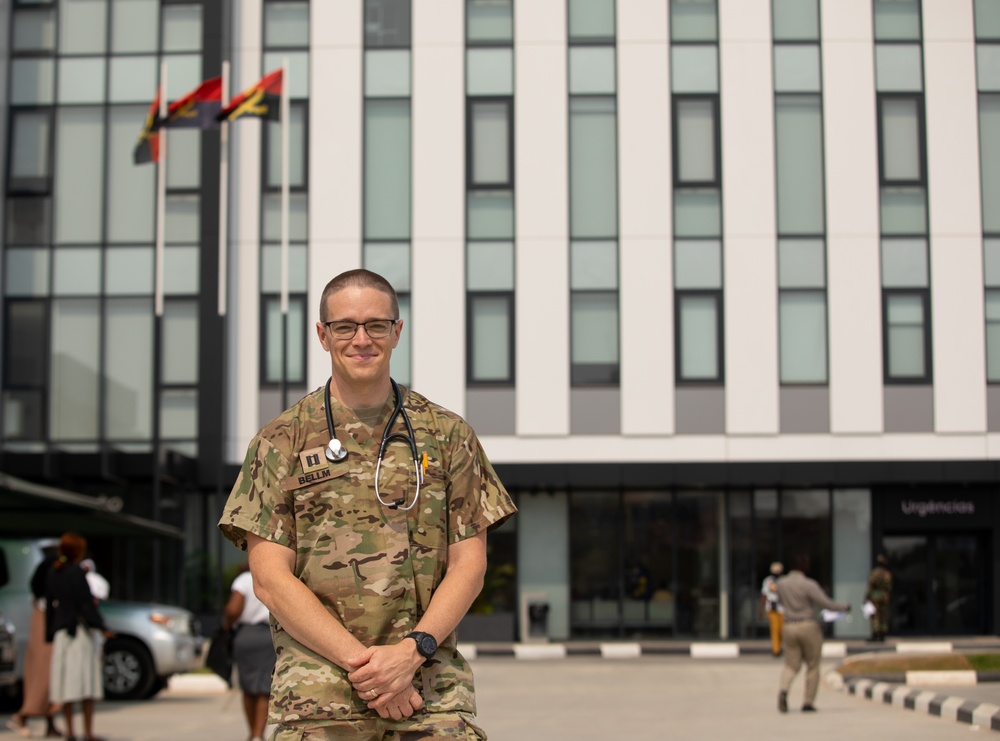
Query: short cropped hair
[363,279]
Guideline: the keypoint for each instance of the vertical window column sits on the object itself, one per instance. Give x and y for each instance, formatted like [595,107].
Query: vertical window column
[593,193]
[386,197]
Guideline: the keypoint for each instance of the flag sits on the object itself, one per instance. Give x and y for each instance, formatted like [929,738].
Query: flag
[147,149]
[198,108]
[262,100]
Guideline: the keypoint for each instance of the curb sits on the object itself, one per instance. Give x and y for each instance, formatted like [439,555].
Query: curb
[982,714]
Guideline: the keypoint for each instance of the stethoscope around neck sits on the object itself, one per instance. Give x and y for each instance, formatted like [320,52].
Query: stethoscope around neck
[336,452]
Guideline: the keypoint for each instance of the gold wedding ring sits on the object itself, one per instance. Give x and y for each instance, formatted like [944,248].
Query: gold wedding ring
[374,693]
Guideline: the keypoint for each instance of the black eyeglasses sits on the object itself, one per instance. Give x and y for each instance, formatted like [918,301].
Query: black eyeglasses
[376,329]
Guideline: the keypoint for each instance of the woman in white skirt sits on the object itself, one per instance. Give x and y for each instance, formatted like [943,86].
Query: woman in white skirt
[76,630]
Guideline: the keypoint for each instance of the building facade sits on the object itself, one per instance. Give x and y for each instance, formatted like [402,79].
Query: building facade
[715,281]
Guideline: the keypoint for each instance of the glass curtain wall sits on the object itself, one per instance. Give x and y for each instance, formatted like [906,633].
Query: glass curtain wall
[386,193]
[285,327]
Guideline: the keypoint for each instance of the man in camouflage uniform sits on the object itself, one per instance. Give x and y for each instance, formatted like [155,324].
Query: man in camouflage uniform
[347,579]
[879,593]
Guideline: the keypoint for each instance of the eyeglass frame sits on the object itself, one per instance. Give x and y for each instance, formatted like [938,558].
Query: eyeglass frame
[392,324]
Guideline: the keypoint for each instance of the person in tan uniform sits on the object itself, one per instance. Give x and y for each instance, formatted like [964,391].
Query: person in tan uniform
[364,509]
[802,598]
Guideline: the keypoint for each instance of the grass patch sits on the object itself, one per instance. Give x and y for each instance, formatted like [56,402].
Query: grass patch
[985,662]
[900,664]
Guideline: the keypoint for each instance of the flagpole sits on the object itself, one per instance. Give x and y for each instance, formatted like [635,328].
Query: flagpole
[224,196]
[284,231]
[161,230]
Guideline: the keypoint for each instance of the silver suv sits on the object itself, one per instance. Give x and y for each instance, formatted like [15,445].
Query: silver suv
[151,642]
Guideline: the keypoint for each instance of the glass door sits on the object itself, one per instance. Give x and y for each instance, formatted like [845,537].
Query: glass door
[938,584]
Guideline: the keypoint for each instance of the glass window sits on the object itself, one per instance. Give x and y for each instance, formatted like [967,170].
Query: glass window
[29,221]
[695,141]
[270,268]
[32,81]
[286,24]
[795,20]
[180,342]
[698,518]
[82,80]
[806,529]
[490,214]
[76,271]
[490,266]
[181,271]
[594,337]
[183,74]
[897,20]
[34,30]
[387,169]
[181,224]
[287,365]
[801,263]
[135,26]
[184,148]
[491,327]
[298,217]
[131,190]
[993,335]
[903,210]
[797,68]
[595,560]
[697,263]
[987,19]
[593,266]
[697,212]
[26,344]
[178,414]
[647,537]
[991,261]
[902,139]
[489,72]
[490,158]
[83,26]
[906,328]
[27,272]
[802,321]
[693,20]
[297,145]
[989,158]
[182,28]
[387,73]
[79,185]
[30,164]
[799,153]
[133,79]
[387,23]
[74,388]
[128,369]
[591,19]
[401,355]
[593,168]
[392,262]
[128,271]
[904,263]
[694,69]
[489,20]
[988,67]
[699,340]
[592,70]
[298,70]
[898,68]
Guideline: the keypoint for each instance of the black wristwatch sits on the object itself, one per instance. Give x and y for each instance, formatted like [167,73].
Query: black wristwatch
[426,645]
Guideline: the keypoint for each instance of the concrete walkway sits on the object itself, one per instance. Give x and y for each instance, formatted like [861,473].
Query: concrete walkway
[582,698]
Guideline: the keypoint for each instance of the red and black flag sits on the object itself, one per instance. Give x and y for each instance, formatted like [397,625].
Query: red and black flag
[197,109]
[263,100]
[147,149]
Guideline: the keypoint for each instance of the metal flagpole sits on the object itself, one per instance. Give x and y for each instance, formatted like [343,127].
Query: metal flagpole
[284,232]
[161,217]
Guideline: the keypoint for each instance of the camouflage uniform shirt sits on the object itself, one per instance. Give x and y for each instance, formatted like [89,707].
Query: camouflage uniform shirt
[373,567]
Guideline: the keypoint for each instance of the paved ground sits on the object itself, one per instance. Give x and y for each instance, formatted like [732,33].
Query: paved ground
[584,698]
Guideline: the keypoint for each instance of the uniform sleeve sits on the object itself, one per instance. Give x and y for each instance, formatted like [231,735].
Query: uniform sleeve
[477,500]
[257,503]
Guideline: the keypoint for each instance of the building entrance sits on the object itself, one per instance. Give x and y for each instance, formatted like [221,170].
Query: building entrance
[939,583]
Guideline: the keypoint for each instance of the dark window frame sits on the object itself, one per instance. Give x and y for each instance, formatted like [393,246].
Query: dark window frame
[470,339]
[267,299]
[470,104]
[918,99]
[720,377]
[927,377]
[676,100]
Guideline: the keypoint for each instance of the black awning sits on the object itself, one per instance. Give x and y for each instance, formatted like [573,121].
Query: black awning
[34,510]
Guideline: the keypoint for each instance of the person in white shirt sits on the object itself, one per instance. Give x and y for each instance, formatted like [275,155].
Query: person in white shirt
[99,586]
[253,652]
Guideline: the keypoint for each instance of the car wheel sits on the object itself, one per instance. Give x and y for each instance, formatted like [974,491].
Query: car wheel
[128,670]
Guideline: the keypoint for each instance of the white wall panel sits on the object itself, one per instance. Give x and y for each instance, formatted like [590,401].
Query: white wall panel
[958,334]
[748,196]
[646,278]
[335,123]
[542,270]
[438,264]
[853,280]
[243,321]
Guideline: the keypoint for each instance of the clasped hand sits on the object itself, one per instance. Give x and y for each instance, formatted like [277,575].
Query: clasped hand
[387,670]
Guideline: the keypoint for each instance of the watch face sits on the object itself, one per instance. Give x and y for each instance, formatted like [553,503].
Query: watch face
[427,646]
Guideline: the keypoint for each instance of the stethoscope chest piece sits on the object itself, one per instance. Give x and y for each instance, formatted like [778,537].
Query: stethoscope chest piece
[335,451]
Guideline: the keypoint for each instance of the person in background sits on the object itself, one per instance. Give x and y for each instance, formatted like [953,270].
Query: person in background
[75,628]
[253,651]
[879,593]
[99,586]
[802,598]
[769,600]
[38,657]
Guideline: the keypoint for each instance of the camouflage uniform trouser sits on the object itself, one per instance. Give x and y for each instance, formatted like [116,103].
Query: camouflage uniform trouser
[425,725]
